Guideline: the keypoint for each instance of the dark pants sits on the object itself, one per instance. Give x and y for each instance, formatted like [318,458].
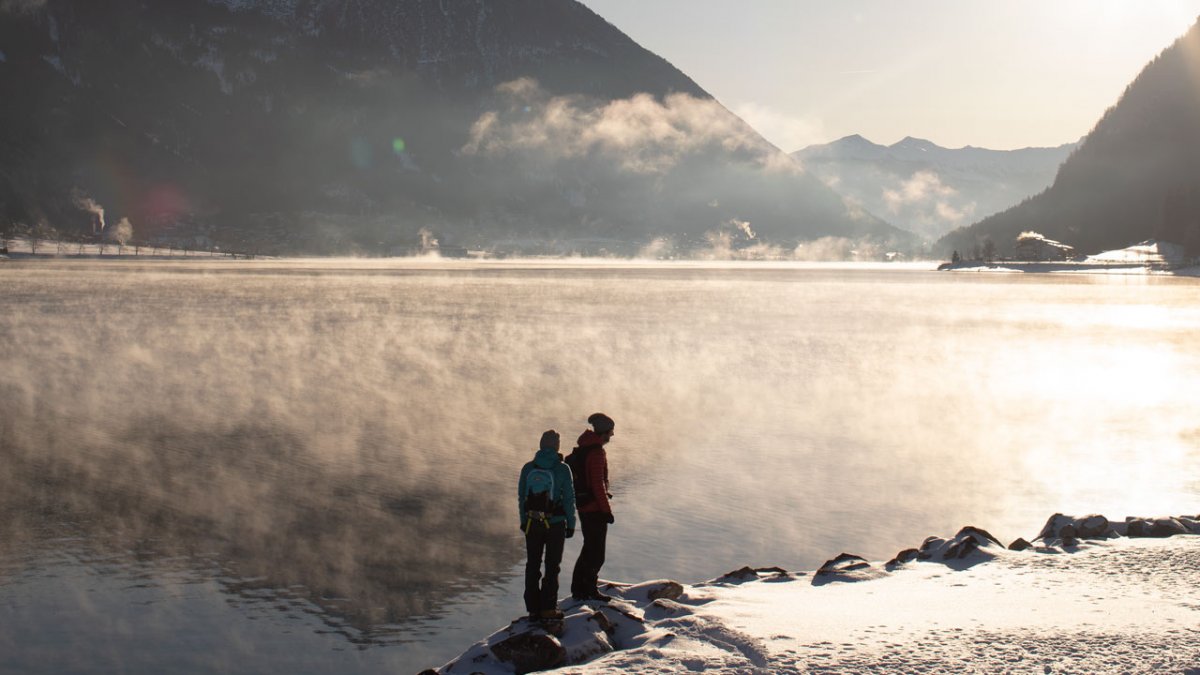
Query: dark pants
[539,538]
[591,556]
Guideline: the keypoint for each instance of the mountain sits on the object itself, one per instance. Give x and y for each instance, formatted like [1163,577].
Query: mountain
[1135,176]
[928,189]
[337,126]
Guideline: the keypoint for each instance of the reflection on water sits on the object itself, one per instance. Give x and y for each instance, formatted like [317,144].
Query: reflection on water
[335,443]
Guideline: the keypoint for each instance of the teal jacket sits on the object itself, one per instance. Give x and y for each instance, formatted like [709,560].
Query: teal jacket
[564,486]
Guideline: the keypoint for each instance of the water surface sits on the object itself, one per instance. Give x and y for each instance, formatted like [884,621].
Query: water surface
[310,466]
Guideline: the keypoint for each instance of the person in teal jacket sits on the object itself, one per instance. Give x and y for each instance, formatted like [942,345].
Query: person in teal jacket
[546,500]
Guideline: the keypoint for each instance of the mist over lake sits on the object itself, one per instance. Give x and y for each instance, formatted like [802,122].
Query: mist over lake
[311,466]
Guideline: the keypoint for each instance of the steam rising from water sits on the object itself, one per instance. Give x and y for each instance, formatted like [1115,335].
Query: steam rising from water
[355,430]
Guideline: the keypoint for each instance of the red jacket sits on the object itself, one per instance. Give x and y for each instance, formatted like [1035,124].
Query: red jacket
[597,472]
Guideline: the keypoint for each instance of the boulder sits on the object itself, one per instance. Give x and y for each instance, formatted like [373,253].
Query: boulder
[1019,545]
[649,590]
[1155,527]
[1059,526]
[968,541]
[1191,523]
[603,622]
[664,608]
[751,574]
[980,535]
[1094,526]
[930,544]
[668,590]
[846,568]
[1055,523]
[1136,527]
[530,652]
[907,555]
[844,562]
[738,575]
[589,635]
[1167,527]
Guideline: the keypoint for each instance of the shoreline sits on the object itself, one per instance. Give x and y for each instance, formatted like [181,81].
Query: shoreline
[1085,595]
[1117,268]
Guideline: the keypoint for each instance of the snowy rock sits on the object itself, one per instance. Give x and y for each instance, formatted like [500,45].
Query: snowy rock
[666,608]
[603,622]
[752,574]
[1093,526]
[969,540]
[530,652]
[669,591]
[726,625]
[587,635]
[846,567]
[1155,527]
[1060,526]
[1191,523]
[739,575]
[649,590]
[907,555]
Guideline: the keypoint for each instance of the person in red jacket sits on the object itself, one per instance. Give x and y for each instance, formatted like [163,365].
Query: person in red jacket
[595,513]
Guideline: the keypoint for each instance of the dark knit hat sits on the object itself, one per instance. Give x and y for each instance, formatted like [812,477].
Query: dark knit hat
[549,440]
[601,423]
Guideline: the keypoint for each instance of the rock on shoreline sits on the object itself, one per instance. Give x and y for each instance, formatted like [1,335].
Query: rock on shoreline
[657,617]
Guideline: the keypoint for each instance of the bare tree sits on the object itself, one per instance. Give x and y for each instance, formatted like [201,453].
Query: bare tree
[989,249]
[34,235]
[122,233]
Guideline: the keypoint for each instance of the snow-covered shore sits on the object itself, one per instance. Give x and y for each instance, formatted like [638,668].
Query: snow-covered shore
[1147,257]
[1068,267]
[1086,596]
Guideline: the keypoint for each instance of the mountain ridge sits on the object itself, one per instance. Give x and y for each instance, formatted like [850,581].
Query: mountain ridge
[342,126]
[1135,176]
[927,188]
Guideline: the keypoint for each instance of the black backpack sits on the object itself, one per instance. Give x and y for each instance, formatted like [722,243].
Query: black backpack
[577,460]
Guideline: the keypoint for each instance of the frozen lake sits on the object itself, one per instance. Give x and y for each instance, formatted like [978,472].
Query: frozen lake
[310,466]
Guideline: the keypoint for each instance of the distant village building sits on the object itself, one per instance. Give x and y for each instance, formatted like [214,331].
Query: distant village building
[1033,246]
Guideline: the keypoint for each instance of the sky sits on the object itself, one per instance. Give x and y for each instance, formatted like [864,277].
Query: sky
[1002,75]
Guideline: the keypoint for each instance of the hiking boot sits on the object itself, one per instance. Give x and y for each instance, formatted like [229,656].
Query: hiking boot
[550,615]
[597,596]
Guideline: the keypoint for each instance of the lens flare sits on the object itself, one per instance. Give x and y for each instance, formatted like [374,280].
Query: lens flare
[398,145]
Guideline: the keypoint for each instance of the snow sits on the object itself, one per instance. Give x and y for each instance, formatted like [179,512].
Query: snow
[1148,257]
[959,604]
[1149,251]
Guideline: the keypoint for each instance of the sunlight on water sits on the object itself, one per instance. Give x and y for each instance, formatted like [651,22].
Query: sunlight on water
[348,433]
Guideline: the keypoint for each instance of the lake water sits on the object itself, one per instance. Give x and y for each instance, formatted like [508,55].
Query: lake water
[310,466]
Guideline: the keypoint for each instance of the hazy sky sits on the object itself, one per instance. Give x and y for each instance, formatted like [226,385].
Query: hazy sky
[992,74]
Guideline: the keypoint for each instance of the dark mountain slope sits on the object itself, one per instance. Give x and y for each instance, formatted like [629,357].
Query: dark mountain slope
[347,125]
[1135,176]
